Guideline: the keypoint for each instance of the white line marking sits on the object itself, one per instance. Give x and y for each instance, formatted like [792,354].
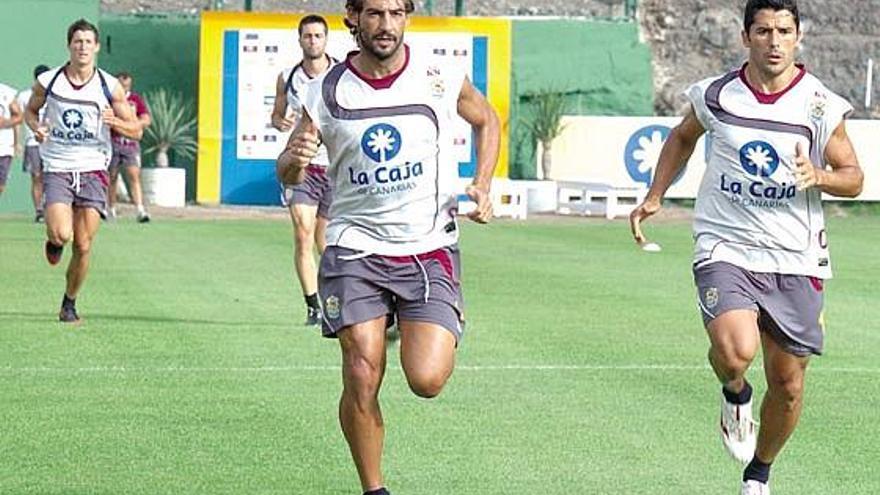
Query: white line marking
[463,368]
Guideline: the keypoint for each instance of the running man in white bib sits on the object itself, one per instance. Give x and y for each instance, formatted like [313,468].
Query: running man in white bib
[32,164]
[309,201]
[778,141]
[386,119]
[82,105]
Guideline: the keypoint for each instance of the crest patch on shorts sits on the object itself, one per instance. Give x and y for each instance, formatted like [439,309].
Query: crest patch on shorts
[331,307]
[711,297]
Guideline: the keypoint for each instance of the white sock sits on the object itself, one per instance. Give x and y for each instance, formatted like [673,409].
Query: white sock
[141,210]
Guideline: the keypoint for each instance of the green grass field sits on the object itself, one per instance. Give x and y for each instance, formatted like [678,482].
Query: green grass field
[582,371]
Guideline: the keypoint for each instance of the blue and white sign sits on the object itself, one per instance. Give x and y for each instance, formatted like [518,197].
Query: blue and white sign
[591,147]
[643,151]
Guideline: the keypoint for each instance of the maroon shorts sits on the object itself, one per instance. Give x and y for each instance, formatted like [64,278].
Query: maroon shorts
[355,288]
[5,163]
[314,190]
[789,307]
[77,189]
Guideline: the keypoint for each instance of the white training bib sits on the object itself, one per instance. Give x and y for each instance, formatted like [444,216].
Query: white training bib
[748,210]
[394,181]
[7,135]
[78,139]
[295,80]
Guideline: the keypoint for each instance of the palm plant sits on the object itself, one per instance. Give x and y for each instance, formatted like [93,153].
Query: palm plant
[173,127]
[545,124]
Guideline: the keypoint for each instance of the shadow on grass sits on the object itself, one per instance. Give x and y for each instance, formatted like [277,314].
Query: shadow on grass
[128,318]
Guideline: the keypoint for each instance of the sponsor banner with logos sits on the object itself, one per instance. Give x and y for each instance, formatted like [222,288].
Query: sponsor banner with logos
[266,52]
[623,152]
[241,55]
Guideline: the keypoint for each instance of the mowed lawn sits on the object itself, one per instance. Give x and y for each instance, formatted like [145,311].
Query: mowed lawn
[582,370]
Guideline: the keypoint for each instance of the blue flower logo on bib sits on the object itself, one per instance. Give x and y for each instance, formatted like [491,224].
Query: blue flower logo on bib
[72,118]
[381,142]
[758,159]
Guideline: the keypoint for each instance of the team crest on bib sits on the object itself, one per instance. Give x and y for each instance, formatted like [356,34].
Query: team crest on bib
[818,105]
[438,89]
[711,297]
[331,307]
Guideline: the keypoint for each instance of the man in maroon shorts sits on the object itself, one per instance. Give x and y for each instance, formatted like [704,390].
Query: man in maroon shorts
[392,252]
[127,153]
[83,103]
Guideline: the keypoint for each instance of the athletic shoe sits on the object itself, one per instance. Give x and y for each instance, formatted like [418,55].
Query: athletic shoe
[738,430]
[143,217]
[53,253]
[68,314]
[752,487]
[39,218]
[313,317]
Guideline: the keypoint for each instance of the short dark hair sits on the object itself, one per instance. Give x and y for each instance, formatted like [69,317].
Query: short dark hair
[311,19]
[82,25]
[753,6]
[123,75]
[39,70]
[358,6]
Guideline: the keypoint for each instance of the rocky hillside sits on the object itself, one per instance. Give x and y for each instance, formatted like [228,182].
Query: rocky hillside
[588,8]
[691,39]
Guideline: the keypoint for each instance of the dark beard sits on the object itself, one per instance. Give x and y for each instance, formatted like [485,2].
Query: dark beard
[364,45]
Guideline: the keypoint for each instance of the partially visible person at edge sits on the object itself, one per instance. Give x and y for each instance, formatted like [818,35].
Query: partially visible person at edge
[10,116]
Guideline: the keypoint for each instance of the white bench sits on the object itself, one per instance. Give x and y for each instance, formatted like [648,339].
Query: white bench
[597,198]
[509,199]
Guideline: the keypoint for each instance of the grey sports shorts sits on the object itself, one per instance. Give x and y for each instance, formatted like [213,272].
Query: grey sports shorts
[355,288]
[126,156]
[5,163]
[789,307]
[314,190]
[32,163]
[80,190]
